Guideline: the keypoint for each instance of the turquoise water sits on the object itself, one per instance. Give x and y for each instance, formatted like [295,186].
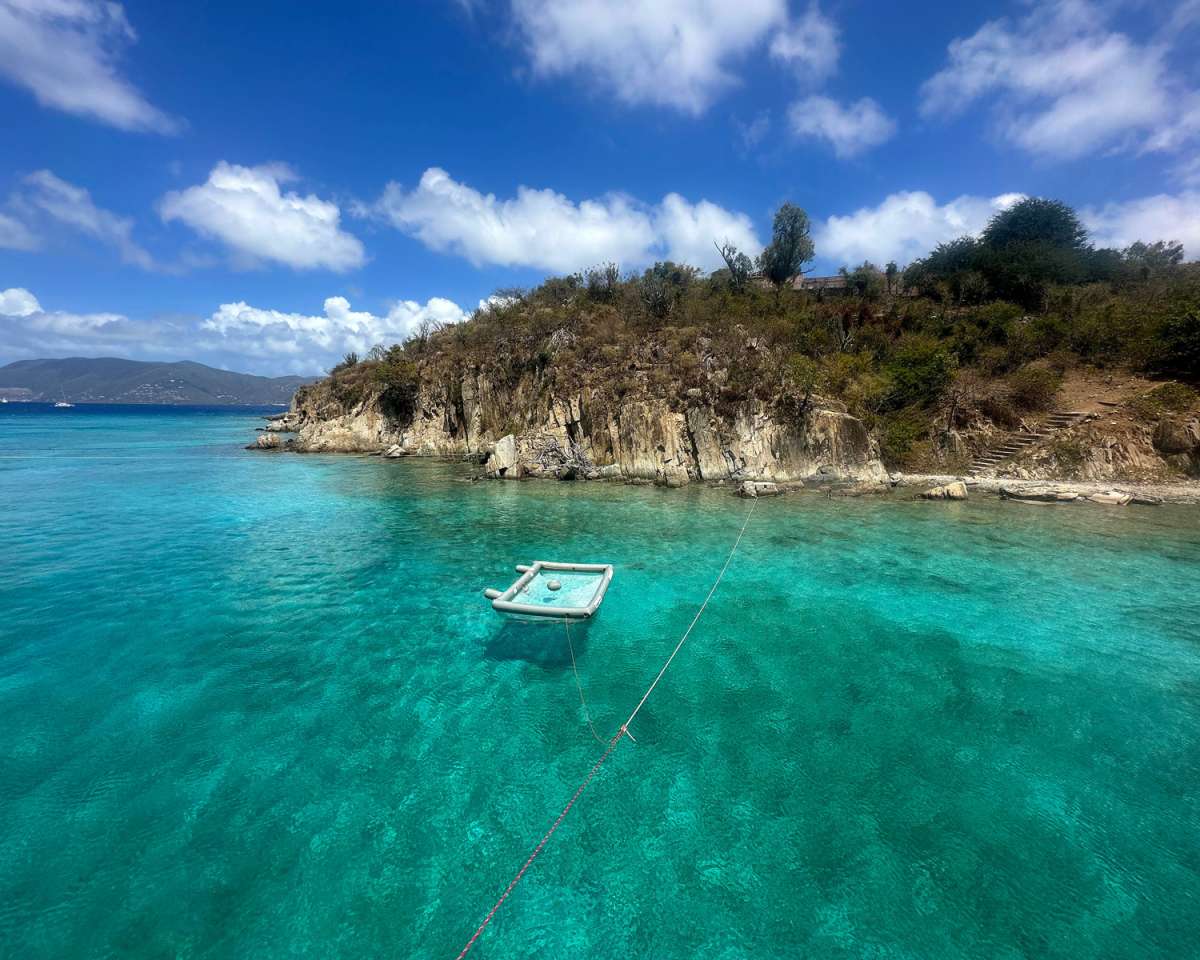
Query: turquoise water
[231,728]
[574,589]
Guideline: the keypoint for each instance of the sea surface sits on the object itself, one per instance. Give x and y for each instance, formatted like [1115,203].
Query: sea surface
[254,705]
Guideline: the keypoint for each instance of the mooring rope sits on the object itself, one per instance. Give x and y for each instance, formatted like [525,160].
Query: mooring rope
[579,685]
[612,744]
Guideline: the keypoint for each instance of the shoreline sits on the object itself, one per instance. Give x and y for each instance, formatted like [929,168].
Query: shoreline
[1177,492]
[1037,491]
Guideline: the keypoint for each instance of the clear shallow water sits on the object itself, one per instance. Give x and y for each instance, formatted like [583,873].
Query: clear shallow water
[574,589]
[231,729]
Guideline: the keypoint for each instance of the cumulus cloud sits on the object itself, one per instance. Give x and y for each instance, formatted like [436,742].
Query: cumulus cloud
[246,209]
[1159,217]
[30,331]
[236,336]
[673,53]
[18,302]
[324,337]
[849,130]
[73,206]
[544,230]
[809,44]
[905,226]
[14,235]
[66,53]
[1064,83]
[687,231]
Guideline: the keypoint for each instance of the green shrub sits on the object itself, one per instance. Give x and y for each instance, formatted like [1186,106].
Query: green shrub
[1165,398]
[920,370]
[1176,397]
[398,380]
[1179,345]
[899,433]
[1033,388]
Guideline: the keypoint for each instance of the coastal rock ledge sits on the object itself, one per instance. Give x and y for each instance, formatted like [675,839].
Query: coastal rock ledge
[522,431]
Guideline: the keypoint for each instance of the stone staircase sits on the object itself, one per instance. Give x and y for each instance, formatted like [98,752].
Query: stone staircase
[1019,442]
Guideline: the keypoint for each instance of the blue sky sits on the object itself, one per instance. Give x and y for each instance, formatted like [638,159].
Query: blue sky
[264,186]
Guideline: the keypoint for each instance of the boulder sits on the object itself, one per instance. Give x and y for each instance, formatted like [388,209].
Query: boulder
[1177,436]
[503,459]
[265,441]
[754,489]
[393,452]
[947,491]
[1114,497]
[1039,494]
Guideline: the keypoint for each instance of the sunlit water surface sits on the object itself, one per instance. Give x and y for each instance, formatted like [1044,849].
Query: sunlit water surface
[254,705]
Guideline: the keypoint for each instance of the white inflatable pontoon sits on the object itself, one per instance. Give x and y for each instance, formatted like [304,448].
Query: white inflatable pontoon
[554,590]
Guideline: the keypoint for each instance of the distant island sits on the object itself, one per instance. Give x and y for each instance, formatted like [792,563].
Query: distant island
[114,380]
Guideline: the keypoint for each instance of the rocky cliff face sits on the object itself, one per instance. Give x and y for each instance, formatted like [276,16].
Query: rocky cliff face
[526,430]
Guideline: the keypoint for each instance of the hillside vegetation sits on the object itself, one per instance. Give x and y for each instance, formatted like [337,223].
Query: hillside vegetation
[979,332]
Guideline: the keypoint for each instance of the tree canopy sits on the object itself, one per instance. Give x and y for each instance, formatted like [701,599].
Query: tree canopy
[790,248]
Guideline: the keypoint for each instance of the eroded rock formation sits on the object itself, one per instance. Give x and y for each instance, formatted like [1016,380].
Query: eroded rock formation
[525,432]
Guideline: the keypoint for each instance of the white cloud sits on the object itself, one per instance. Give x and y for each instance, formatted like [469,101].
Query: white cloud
[30,331]
[688,231]
[543,229]
[1064,83]
[74,207]
[325,337]
[18,302]
[674,53]
[245,208]
[810,44]
[850,130]
[14,235]
[1160,217]
[905,226]
[236,336]
[66,51]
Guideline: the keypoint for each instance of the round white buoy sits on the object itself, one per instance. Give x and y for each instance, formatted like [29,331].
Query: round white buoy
[553,584]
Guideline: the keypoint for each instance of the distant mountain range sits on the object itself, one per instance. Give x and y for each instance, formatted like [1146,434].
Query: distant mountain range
[112,380]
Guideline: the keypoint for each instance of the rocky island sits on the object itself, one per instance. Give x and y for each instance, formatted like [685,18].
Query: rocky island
[954,369]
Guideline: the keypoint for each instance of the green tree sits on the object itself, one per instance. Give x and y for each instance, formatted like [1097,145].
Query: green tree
[740,266]
[1034,243]
[1151,258]
[890,272]
[791,246]
[865,280]
[1036,220]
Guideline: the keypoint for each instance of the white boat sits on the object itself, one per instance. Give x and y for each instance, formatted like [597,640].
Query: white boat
[62,404]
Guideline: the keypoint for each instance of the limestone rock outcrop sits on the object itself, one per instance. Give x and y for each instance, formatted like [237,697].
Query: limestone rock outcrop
[523,430]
